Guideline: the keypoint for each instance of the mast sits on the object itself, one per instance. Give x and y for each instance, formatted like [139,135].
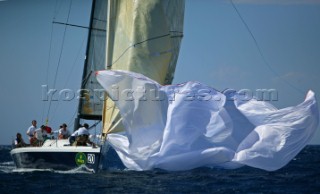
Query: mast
[85,76]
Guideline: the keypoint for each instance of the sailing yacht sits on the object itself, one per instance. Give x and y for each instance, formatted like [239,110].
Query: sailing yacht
[138,36]
[58,154]
[133,48]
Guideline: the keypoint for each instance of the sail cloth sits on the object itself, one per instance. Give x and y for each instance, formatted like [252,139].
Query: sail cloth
[185,126]
[91,104]
[143,36]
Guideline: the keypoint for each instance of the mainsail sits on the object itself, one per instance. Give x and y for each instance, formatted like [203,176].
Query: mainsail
[90,104]
[143,37]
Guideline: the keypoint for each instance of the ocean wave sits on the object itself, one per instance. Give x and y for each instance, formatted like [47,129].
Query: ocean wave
[5,147]
[10,163]
[27,170]
[6,167]
[78,170]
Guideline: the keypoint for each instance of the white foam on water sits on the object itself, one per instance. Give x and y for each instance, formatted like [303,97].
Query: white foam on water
[79,170]
[8,167]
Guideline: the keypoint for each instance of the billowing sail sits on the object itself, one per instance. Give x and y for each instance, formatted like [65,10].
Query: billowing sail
[190,125]
[143,36]
[91,103]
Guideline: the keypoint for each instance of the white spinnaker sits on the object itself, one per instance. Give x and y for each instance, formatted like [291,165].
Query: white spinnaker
[181,127]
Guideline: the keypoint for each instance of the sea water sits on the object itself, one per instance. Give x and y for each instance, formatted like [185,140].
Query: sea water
[301,175]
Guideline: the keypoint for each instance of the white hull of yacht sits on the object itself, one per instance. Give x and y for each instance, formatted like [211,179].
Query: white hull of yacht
[56,155]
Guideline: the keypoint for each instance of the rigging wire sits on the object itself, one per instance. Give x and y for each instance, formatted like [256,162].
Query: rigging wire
[59,7]
[49,57]
[71,122]
[59,61]
[69,75]
[261,53]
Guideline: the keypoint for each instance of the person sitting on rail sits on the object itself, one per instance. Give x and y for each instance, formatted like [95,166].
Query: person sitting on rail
[63,132]
[19,142]
[40,136]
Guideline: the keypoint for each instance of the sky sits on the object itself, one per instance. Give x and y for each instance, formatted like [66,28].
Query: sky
[276,47]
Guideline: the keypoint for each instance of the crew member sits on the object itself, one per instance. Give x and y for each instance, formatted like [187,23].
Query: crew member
[63,132]
[81,136]
[31,129]
[19,141]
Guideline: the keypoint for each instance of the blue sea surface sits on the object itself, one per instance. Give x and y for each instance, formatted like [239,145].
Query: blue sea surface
[301,175]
